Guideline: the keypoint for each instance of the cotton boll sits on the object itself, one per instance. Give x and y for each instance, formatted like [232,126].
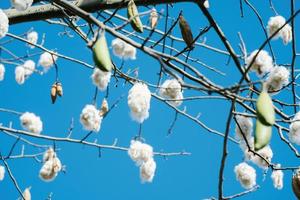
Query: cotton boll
[140,152]
[2,72]
[20,74]
[90,118]
[286,34]
[2,172]
[101,79]
[206,4]
[49,154]
[278,77]
[171,89]
[147,170]
[3,24]
[26,194]
[294,133]
[274,24]
[123,50]
[31,122]
[277,178]
[47,172]
[47,60]
[244,125]
[29,67]
[33,38]
[246,175]
[266,153]
[262,64]
[21,5]
[139,98]
[56,165]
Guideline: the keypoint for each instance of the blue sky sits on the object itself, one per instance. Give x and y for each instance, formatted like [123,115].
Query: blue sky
[114,175]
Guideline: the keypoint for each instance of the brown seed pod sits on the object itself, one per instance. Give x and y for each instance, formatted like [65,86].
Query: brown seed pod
[296,183]
[104,108]
[59,89]
[153,18]
[186,32]
[53,93]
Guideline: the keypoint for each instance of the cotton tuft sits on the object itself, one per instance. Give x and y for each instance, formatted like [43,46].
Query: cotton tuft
[47,60]
[51,167]
[171,89]
[294,133]
[277,178]
[277,78]
[147,170]
[244,125]
[2,172]
[26,194]
[31,122]
[90,118]
[101,79]
[20,74]
[4,24]
[140,152]
[206,4]
[29,67]
[2,72]
[266,153]
[285,33]
[21,5]
[262,64]
[246,175]
[33,38]
[123,50]
[139,98]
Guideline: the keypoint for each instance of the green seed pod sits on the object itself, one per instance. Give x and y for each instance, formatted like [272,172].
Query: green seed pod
[265,109]
[262,135]
[186,32]
[132,13]
[296,184]
[101,54]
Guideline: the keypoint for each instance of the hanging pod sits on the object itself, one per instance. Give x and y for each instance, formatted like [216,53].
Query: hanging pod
[53,93]
[265,109]
[101,54]
[153,18]
[133,15]
[186,32]
[296,184]
[262,135]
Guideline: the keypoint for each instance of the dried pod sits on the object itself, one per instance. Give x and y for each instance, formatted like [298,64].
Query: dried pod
[101,54]
[53,93]
[262,135]
[132,13]
[153,18]
[265,109]
[104,108]
[26,194]
[296,183]
[59,89]
[186,32]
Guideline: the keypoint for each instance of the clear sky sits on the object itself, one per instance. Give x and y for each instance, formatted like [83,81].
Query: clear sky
[114,175]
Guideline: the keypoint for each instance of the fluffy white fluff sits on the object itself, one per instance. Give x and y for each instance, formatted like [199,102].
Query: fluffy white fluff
[123,50]
[171,89]
[2,172]
[285,33]
[206,4]
[47,60]
[90,118]
[21,5]
[140,152]
[50,169]
[147,170]
[3,24]
[262,64]
[31,122]
[246,175]
[277,178]
[277,78]
[33,38]
[101,79]
[139,98]
[294,133]
[2,72]
[265,152]
[29,67]
[49,155]
[20,74]
[244,125]
[26,194]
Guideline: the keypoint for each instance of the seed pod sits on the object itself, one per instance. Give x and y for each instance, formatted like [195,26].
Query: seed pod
[132,13]
[104,108]
[262,135]
[101,54]
[153,18]
[59,89]
[186,32]
[26,194]
[296,183]
[265,109]
[53,93]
